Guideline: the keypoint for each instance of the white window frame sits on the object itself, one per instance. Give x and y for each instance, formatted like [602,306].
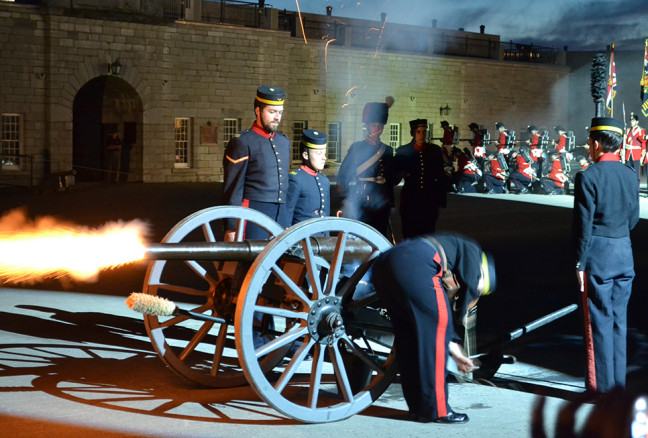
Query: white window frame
[394,135]
[182,142]
[334,146]
[231,127]
[299,126]
[11,140]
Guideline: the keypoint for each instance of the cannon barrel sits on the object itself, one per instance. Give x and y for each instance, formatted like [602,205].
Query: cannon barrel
[248,250]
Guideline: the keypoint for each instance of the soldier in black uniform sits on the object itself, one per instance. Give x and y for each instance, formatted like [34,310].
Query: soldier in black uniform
[256,164]
[414,282]
[424,192]
[606,208]
[366,175]
[309,190]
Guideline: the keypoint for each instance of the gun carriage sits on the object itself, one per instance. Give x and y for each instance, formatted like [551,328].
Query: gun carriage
[281,314]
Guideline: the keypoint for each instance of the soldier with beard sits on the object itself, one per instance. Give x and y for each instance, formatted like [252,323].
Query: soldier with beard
[256,164]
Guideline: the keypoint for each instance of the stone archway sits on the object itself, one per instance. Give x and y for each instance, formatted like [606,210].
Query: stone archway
[103,105]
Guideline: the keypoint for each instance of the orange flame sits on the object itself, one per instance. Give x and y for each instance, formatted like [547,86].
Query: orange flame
[46,248]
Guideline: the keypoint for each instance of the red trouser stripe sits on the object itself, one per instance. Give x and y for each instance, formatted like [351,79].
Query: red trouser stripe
[589,343]
[440,359]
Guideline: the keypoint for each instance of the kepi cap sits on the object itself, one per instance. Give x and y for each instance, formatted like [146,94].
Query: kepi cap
[314,139]
[606,124]
[559,128]
[499,125]
[532,128]
[270,95]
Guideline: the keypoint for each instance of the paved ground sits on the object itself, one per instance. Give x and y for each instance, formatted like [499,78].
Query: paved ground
[75,361]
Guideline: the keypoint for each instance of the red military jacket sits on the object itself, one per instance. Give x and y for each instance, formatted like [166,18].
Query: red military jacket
[501,142]
[524,167]
[496,169]
[535,142]
[562,144]
[465,165]
[635,143]
[557,174]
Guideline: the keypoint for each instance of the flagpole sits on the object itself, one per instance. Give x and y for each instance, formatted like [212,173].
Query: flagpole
[612,82]
[644,84]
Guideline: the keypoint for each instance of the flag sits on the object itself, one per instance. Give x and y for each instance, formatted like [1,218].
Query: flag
[612,83]
[644,84]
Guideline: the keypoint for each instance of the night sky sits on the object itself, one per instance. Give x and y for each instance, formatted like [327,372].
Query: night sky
[578,24]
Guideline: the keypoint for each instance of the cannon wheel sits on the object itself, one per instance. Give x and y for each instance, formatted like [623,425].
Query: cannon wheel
[202,352]
[338,364]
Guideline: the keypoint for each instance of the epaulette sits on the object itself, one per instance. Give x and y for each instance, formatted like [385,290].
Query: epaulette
[294,172]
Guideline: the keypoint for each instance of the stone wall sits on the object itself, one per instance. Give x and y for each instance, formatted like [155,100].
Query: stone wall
[211,72]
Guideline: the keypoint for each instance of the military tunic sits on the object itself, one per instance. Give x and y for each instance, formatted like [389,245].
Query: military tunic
[424,190]
[256,166]
[606,208]
[308,195]
[407,279]
[368,189]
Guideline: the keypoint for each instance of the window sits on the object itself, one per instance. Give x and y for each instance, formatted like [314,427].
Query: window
[430,133]
[334,151]
[298,130]
[182,142]
[11,141]
[231,127]
[394,135]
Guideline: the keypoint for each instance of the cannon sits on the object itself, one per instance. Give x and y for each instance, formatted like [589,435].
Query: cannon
[281,315]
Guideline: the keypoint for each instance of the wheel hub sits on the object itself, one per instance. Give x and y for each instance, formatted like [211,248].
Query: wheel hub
[325,323]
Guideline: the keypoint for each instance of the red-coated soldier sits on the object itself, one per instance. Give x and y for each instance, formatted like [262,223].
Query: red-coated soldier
[537,154]
[554,183]
[468,173]
[503,140]
[495,180]
[635,145]
[561,144]
[525,174]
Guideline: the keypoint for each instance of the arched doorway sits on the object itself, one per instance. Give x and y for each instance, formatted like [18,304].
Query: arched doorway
[104,105]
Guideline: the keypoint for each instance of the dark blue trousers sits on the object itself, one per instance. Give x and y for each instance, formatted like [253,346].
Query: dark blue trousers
[609,272]
[275,211]
[407,278]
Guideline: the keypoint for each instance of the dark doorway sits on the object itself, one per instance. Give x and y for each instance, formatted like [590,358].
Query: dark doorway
[104,105]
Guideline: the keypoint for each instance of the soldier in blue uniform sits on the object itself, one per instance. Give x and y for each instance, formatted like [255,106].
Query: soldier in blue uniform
[606,208]
[424,192]
[366,176]
[309,190]
[256,164]
[417,280]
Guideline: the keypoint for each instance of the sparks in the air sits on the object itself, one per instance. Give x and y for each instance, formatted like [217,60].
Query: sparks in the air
[31,251]
[301,21]
[326,54]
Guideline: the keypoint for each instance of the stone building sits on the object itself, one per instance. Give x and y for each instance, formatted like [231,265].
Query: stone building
[177,82]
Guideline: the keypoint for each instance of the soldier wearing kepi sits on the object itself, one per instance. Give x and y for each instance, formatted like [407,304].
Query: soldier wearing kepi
[309,190]
[366,176]
[606,208]
[414,282]
[424,192]
[256,164]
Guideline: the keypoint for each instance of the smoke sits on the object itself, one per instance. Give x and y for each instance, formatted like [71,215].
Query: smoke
[32,250]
